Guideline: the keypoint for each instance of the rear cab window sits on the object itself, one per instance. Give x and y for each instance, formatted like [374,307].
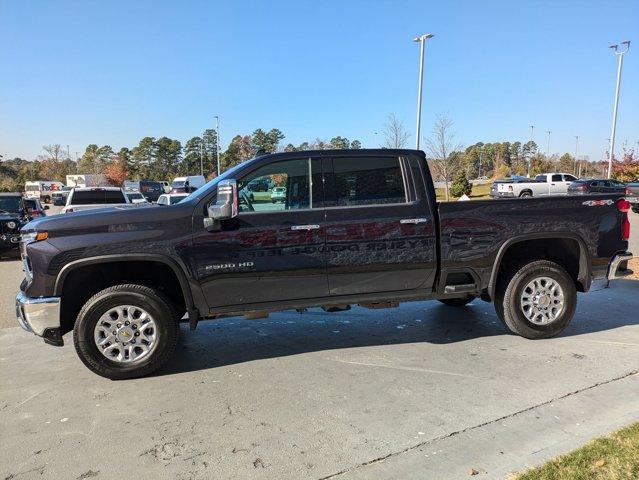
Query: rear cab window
[94,197]
[358,181]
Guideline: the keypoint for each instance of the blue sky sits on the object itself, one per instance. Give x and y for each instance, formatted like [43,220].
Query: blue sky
[111,72]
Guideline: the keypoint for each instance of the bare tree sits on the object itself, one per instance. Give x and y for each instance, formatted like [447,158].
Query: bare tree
[53,152]
[395,133]
[441,149]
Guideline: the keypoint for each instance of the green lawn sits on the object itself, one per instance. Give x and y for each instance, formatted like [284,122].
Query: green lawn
[615,457]
[479,192]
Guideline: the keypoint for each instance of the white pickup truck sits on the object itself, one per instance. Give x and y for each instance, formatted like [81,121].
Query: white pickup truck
[544,185]
[81,199]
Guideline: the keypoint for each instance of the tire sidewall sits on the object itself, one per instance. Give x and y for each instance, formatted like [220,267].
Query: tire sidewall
[512,304]
[96,307]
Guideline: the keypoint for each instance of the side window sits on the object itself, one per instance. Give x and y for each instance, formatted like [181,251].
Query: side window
[286,185]
[541,178]
[569,178]
[556,178]
[367,181]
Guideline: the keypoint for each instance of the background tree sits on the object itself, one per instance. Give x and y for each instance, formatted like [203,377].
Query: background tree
[440,147]
[461,185]
[395,134]
[192,155]
[117,171]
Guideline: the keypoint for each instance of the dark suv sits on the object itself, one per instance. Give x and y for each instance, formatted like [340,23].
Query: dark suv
[13,215]
[596,185]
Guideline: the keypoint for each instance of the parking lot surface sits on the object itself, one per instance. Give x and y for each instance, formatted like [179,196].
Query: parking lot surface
[420,391]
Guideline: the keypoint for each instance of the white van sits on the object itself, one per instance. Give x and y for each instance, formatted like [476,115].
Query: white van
[42,190]
[187,184]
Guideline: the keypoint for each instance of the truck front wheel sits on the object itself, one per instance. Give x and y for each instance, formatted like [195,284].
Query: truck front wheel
[126,331]
[537,300]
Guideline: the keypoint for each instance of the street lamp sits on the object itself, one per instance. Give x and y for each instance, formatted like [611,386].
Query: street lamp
[576,149]
[548,147]
[422,42]
[217,142]
[532,131]
[620,54]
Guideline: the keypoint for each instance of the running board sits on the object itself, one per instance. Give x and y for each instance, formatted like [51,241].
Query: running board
[467,288]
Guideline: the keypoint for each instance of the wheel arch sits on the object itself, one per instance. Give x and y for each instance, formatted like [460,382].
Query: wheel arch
[583,275]
[155,259]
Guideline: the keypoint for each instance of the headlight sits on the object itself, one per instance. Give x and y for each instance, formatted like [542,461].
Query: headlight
[31,237]
[12,225]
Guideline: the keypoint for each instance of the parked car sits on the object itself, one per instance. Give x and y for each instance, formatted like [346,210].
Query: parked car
[358,227]
[546,184]
[135,197]
[171,198]
[59,198]
[150,189]
[13,216]
[34,208]
[497,192]
[278,194]
[596,185]
[166,186]
[187,184]
[94,198]
[632,194]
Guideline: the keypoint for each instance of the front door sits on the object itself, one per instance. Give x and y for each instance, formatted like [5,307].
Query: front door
[274,249]
[380,232]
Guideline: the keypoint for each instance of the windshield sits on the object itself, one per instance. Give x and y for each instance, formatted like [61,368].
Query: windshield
[135,196]
[91,197]
[174,200]
[211,183]
[10,204]
[177,183]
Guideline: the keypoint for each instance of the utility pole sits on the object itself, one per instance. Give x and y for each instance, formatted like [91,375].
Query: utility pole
[68,154]
[217,143]
[422,46]
[202,155]
[548,147]
[620,54]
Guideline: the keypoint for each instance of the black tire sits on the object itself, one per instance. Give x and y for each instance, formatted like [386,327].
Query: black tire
[508,294]
[154,302]
[457,302]
[525,194]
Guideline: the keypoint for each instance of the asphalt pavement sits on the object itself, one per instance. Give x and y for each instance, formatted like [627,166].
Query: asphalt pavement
[420,391]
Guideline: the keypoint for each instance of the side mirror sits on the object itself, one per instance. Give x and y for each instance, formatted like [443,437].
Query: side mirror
[46,207]
[225,207]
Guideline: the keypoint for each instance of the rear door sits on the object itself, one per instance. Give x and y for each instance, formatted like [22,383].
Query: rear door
[271,251]
[380,234]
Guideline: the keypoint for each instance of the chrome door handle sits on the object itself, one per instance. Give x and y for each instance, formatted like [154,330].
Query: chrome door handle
[305,227]
[413,221]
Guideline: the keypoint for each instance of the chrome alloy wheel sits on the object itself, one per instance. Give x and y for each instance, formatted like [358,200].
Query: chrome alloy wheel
[126,334]
[542,300]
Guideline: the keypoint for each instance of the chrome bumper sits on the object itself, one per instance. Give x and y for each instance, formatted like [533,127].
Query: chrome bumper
[614,264]
[38,314]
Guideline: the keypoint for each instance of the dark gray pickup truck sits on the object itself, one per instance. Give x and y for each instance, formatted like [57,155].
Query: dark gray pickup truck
[352,227]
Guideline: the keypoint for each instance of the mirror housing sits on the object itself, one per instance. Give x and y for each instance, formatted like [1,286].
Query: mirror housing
[226,206]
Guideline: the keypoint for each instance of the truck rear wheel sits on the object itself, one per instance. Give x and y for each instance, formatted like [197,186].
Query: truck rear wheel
[457,302]
[537,300]
[126,331]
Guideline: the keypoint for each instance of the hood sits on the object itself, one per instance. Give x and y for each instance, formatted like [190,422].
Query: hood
[101,219]
[10,216]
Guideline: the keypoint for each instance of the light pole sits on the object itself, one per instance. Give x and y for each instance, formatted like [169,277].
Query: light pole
[576,149]
[532,131]
[422,47]
[548,147]
[620,54]
[217,143]
[68,154]
[202,155]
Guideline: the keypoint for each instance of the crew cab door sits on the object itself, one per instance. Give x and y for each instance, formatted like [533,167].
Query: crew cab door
[273,250]
[557,184]
[380,233]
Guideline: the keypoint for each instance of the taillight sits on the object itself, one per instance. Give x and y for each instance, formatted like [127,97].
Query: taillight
[68,210]
[628,191]
[510,188]
[623,206]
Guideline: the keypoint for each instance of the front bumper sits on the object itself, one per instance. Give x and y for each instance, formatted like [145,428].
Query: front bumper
[40,316]
[502,194]
[615,262]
